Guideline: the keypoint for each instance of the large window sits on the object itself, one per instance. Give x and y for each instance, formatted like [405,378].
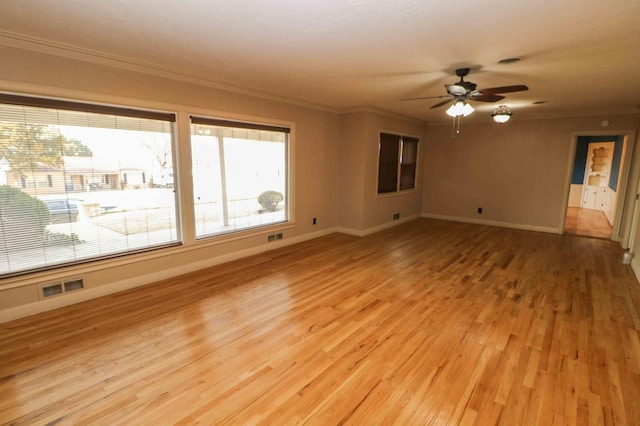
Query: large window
[397,163]
[240,175]
[80,182]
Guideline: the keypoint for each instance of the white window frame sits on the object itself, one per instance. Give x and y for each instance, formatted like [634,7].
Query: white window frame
[259,124]
[57,104]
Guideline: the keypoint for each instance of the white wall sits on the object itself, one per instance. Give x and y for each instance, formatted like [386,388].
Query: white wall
[575,195]
[610,205]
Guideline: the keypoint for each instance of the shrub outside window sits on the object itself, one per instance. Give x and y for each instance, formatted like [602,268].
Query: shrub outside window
[240,175]
[81,182]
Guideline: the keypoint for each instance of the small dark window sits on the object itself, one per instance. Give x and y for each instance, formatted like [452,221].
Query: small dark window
[408,163]
[50,181]
[397,163]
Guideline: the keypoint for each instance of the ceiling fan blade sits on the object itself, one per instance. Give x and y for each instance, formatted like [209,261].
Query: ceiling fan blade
[425,97]
[439,104]
[488,98]
[455,89]
[504,89]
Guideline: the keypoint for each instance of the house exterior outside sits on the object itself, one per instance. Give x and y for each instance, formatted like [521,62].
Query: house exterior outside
[78,174]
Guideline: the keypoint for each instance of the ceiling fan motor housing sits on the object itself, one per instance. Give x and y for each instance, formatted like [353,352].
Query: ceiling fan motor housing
[461,72]
[468,86]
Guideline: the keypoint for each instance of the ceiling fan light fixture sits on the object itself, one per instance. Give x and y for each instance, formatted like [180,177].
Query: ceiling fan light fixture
[502,114]
[454,109]
[459,108]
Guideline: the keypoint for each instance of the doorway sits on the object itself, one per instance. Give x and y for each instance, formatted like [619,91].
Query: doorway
[596,191]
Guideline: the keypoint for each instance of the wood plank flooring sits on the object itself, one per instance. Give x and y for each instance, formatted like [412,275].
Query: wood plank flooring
[588,223]
[430,322]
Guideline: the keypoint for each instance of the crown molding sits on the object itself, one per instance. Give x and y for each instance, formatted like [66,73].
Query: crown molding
[384,113]
[33,44]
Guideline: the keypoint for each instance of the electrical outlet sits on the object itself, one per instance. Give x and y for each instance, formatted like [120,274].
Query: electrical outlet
[479,210]
[396,216]
[278,236]
[271,238]
[315,221]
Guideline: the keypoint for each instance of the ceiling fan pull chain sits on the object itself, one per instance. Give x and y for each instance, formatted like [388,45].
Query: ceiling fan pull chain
[456,126]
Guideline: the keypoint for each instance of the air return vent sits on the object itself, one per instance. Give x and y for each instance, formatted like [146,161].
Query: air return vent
[57,288]
[72,284]
[51,289]
[273,237]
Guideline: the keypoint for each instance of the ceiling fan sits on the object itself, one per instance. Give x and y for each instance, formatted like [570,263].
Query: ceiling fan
[463,91]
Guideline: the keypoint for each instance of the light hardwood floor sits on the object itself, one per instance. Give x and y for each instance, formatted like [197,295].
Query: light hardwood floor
[588,223]
[430,322]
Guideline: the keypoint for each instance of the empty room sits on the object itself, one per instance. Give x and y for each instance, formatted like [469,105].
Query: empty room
[338,212]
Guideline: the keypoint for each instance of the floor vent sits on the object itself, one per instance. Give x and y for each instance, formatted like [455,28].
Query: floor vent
[63,286]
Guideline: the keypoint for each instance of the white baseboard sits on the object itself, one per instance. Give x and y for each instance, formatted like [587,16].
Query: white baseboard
[524,227]
[368,231]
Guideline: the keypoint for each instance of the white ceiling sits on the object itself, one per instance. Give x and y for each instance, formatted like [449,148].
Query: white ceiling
[580,56]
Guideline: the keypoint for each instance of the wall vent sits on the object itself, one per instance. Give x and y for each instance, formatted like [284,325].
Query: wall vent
[51,289]
[72,284]
[57,288]
[273,237]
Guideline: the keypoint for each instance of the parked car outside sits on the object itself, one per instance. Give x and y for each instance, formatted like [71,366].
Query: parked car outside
[61,211]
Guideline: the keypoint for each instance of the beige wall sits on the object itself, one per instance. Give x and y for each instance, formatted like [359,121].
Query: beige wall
[518,172]
[315,135]
[351,171]
[380,210]
[334,164]
[361,209]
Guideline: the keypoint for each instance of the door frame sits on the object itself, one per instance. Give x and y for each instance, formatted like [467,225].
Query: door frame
[624,205]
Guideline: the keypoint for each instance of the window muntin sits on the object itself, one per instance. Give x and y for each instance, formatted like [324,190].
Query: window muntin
[397,163]
[75,156]
[233,163]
